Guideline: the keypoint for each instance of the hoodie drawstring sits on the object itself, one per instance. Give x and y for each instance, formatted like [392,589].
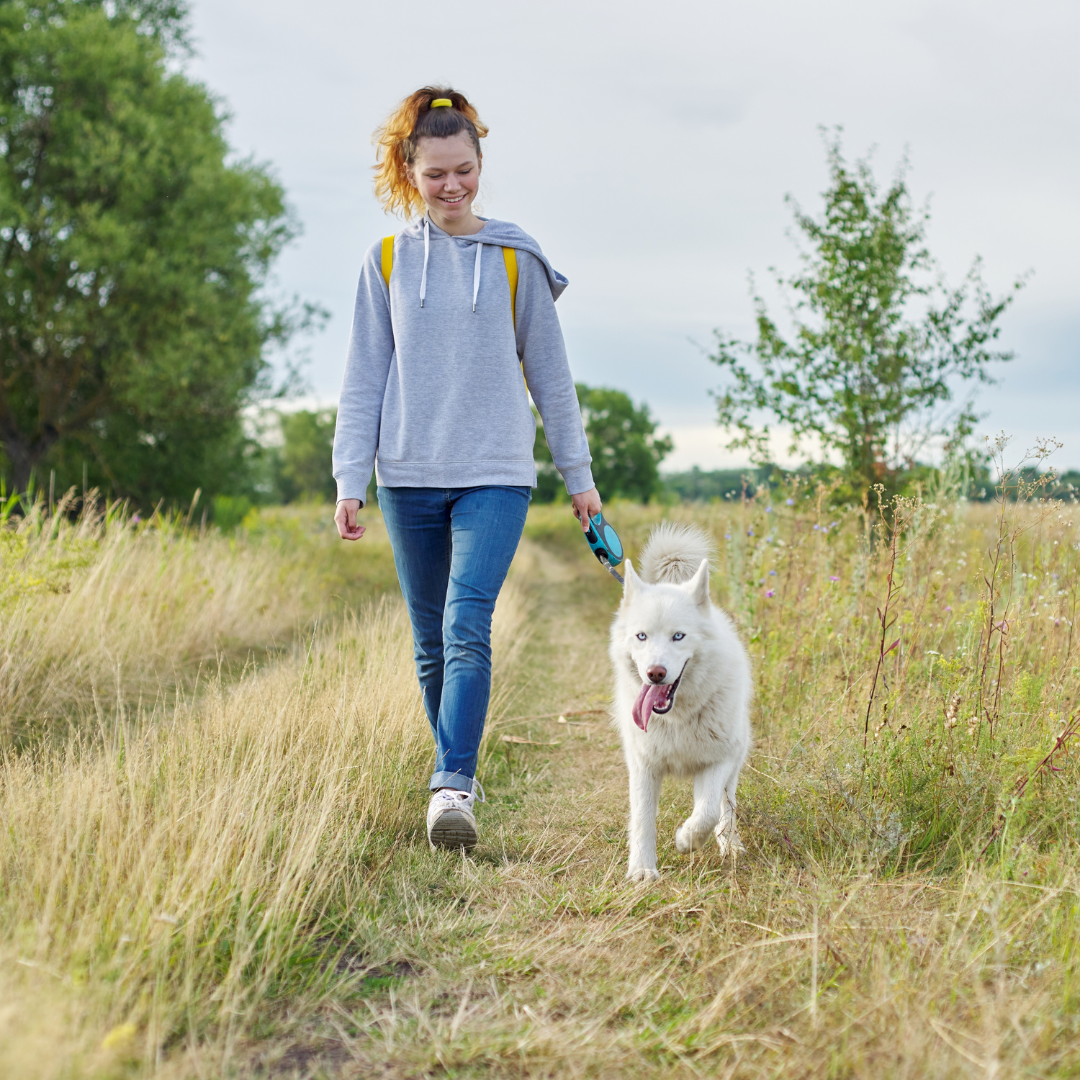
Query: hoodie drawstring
[423,276]
[476,276]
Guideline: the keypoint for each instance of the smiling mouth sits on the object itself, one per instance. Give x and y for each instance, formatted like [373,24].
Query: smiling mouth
[655,698]
[452,202]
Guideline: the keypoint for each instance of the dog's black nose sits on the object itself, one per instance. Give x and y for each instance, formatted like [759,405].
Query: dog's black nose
[656,673]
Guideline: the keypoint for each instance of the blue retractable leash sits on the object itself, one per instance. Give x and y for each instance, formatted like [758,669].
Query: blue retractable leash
[605,544]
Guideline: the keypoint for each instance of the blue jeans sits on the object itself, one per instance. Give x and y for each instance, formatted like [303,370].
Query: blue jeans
[452,549]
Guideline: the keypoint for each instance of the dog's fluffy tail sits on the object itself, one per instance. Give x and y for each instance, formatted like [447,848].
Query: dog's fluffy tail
[674,552]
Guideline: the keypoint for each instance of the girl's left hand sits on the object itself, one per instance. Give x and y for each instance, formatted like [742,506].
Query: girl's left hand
[586,505]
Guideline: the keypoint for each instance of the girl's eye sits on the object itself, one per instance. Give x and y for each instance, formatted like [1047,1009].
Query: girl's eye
[641,637]
[678,637]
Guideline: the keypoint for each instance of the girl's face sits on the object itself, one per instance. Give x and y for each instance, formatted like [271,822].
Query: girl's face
[446,172]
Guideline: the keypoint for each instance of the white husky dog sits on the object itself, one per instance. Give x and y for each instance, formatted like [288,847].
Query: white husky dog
[682,694]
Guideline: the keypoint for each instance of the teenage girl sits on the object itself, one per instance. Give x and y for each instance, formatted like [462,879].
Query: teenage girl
[454,328]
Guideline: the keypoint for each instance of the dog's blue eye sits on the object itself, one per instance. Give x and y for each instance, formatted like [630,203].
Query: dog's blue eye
[678,637]
[641,637]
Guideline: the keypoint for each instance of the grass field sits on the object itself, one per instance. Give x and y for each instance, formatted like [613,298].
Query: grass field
[212,852]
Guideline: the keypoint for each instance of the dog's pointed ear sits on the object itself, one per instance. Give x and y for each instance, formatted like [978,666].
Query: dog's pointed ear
[631,582]
[698,585]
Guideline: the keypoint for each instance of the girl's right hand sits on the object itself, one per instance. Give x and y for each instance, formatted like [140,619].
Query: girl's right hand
[345,519]
[586,505]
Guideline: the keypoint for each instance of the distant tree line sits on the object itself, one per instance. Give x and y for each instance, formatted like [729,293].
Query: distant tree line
[700,485]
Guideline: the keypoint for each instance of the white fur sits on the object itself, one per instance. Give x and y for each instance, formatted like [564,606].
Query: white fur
[706,733]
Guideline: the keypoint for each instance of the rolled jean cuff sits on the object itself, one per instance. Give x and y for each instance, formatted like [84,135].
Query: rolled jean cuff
[457,781]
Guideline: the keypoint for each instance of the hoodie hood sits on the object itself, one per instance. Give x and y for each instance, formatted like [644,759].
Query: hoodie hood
[495,233]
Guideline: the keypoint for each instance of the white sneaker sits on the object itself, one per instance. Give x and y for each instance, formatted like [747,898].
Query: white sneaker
[450,819]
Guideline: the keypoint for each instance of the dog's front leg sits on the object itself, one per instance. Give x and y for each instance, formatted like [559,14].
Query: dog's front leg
[644,800]
[709,804]
[727,834]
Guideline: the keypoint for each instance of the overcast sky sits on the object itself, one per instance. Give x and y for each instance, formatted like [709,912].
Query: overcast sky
[649,147]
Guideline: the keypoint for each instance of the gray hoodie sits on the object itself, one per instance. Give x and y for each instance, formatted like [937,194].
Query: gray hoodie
[433,378]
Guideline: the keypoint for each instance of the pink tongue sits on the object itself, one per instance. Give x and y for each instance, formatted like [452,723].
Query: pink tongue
[650,696]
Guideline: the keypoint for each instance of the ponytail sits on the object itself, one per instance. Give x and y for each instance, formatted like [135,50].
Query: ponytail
[397,140]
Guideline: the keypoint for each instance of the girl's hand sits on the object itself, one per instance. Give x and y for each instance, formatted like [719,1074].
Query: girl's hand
[345,519]
[586,505]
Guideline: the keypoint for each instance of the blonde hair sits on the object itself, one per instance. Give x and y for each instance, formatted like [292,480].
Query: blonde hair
[397,140]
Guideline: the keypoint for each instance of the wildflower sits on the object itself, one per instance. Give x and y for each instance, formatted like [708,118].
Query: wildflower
[816,527]
[768,509]
[772,573]
[749,532]
[727,536]
[833,577]
[789,502]
[770,593]
[135,519]
[948,609]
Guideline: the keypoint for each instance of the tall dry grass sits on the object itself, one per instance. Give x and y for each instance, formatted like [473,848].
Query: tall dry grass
[102,605]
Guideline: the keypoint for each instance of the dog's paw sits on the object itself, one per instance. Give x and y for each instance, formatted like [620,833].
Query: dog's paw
[686,840]
[642,873]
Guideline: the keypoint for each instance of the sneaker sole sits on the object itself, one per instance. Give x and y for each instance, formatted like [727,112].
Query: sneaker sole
[453,830]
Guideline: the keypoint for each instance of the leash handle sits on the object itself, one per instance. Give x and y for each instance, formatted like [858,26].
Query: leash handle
[605,543]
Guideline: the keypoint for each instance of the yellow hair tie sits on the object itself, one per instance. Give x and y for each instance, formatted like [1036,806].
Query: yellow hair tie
[441,101]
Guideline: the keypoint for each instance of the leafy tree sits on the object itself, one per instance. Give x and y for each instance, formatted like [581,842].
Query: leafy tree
[132,257]
[879,341]
[303,460]
[625,449]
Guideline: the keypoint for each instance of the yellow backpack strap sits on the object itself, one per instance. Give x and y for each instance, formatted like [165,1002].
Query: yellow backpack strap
[510,258]
[388,258]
